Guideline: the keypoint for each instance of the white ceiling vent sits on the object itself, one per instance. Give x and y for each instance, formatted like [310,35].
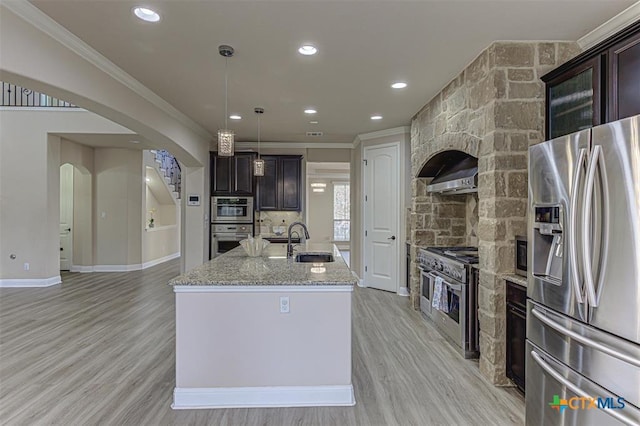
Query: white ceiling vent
[315,134]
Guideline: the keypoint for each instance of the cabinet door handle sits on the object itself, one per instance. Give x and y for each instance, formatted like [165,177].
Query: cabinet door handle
[392,238]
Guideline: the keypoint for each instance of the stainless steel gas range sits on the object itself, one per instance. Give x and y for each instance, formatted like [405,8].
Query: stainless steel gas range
[449,294]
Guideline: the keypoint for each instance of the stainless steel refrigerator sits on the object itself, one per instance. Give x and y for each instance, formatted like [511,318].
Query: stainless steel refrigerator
[583,311]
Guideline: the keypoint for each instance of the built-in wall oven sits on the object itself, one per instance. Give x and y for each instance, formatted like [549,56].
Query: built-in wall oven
[231,209]
[228,237]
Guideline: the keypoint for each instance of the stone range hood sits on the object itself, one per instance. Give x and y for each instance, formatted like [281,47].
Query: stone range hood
[453,172]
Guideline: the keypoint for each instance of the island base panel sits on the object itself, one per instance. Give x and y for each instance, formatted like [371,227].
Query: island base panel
[237,349]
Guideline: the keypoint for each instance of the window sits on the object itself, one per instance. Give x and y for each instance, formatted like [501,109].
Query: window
[341,212]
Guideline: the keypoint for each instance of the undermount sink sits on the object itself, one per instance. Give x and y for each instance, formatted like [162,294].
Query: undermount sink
[314,257]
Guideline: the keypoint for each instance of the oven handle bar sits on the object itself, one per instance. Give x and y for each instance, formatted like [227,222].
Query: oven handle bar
[454,287]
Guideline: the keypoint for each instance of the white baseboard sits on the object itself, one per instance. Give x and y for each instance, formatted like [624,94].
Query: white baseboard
[124,268]
[360,280]
[160,260]
[276,396]
[44,282]
[117,268]
[403,291]
[81,268]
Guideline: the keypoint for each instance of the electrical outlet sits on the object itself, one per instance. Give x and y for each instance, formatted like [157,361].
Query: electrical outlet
[284,304]
[26,266]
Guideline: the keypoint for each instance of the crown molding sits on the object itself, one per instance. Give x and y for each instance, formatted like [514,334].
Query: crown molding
[403,130]
[610,27]
[47,25]
[295,145]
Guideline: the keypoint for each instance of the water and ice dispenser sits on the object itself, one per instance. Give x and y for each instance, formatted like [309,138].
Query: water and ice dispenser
[548,242]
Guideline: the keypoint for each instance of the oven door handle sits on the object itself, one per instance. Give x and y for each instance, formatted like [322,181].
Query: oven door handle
[224,238]
[454,287]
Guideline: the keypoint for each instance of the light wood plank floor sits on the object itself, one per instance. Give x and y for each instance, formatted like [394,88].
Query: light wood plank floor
[99,350]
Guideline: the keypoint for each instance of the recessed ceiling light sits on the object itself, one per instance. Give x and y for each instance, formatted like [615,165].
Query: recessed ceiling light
[147,179]
[310,111]
[399,85]
[313,122]
[307,50]
[146,14]
[134,141]
[235,117]
[376,117]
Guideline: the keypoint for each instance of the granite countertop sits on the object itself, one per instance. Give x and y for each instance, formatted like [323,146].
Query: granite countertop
[235,268]
[516,279]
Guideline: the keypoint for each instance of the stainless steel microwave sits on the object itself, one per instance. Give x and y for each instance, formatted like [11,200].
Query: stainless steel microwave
[521,255]
[231,209]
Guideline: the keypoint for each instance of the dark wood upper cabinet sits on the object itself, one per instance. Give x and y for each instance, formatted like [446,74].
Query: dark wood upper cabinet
[624,81]
[220,174]
[242,177]
[598,86]
[573,100]
[291,183]
[281,186]
[268,185]
[232,175]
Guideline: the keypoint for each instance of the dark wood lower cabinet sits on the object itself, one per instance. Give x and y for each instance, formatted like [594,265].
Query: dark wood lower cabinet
[516,333]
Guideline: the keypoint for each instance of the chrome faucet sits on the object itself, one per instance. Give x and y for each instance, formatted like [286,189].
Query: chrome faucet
[289,245]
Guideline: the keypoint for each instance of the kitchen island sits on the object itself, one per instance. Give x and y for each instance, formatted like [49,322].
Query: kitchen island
[264,331]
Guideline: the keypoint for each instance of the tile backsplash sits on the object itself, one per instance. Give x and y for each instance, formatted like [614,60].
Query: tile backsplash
[266,220]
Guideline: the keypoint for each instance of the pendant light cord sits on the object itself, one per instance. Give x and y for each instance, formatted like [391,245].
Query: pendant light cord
[259,136]
[226,90]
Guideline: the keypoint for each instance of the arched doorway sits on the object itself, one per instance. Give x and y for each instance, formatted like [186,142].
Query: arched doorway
[76,235]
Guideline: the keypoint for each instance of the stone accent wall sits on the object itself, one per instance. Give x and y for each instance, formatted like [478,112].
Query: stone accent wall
[493,110]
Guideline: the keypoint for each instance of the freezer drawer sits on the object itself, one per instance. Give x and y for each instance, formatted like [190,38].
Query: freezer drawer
[549,381]
[610,361]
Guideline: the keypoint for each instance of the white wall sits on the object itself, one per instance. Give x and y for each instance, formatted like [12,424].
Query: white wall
[320,212]
[30,162]
[119,183]
[76,73]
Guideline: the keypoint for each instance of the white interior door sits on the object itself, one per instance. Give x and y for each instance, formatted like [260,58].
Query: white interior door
[66,216]
[381,207]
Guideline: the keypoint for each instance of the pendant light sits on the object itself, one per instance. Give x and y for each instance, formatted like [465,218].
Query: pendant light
[258,164]
[225,136]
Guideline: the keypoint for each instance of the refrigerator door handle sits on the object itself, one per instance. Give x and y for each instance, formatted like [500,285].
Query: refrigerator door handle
[585,340]
[573,247]
[576,389]
[604,250]
[586,225]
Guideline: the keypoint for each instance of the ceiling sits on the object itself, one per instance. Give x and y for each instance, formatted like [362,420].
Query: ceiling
[363,47]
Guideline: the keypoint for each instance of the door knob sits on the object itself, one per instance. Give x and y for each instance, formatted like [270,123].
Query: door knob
[393,237]
[68,229]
